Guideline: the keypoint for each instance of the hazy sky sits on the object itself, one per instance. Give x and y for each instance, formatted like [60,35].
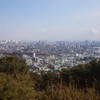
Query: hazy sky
[50,19]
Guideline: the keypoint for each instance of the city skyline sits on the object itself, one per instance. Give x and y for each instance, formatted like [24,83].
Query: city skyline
[50,20]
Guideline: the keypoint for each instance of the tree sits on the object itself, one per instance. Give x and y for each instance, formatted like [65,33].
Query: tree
[13,65]
[15,81]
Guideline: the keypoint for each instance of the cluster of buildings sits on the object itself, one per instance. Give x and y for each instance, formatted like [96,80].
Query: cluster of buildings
[52,56]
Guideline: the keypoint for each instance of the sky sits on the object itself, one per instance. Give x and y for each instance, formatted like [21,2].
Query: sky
[50,20]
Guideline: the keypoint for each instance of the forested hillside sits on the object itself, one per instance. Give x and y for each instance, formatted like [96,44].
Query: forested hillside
[78,83]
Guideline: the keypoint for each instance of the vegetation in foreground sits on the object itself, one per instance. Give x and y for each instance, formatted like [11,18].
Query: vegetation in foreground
[79,83]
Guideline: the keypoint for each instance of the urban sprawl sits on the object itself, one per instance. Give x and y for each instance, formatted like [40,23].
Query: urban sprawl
[44,56]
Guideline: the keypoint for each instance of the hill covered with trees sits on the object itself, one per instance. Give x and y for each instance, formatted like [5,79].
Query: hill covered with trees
[81,82]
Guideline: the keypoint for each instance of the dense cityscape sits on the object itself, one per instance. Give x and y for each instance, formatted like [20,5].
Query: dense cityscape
[51,56]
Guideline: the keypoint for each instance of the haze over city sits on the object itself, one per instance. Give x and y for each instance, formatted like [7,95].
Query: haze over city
[50,20]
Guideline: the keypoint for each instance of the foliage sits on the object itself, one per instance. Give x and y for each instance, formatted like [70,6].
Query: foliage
[15,82]
[81,82]
[85,75]
[71,93]
[13,65]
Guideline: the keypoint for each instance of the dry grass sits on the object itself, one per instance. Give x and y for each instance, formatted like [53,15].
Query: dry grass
[71,93]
